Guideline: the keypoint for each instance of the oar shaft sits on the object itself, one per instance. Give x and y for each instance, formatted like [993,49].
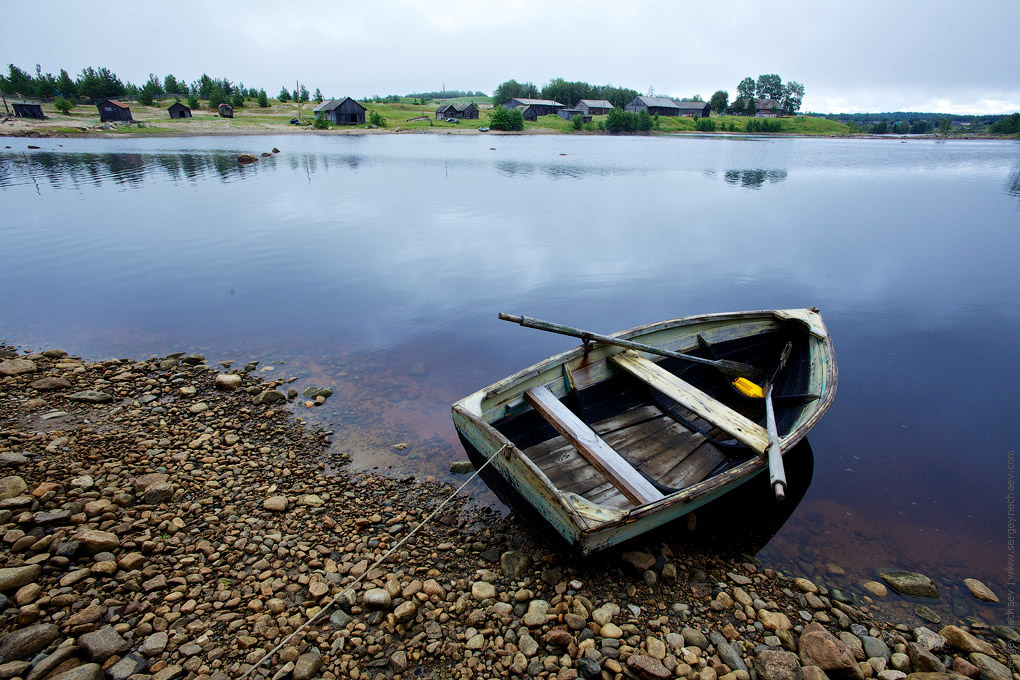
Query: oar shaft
[726,366]
[777,473]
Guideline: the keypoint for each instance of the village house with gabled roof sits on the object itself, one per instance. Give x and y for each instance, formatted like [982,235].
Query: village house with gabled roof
[463,110]
[341,111]
[539,107]
[594,107]
[113,110]
[655,106]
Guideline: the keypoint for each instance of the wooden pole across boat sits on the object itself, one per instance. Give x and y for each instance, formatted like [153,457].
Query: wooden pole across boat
[728,367]
[777,473]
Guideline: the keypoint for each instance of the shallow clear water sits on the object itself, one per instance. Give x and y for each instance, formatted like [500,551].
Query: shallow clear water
[377,265]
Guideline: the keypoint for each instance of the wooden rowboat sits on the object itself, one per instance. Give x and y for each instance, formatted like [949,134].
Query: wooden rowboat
[602,443]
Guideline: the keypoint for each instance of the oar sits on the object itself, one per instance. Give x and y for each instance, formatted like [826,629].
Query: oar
[777,473]
[728,367]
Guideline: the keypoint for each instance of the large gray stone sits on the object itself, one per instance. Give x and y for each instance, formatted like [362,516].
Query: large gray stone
[16,577]
[89,671]
[306,666]
[17,366]
[514,564]
[728,654]
[12,487]
[96,541]
[25,643]
[91,397]
[776,665]
[128,665]
[910,583]
[818,647]
[873,647]
[103,643]
[990,668]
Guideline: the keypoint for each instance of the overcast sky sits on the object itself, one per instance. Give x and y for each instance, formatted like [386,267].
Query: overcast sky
[912,55]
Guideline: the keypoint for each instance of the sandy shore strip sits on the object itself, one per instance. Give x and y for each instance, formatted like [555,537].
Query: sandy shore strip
[169,519]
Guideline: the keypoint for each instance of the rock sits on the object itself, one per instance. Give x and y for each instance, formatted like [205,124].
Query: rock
[16,577]
[246,158]
[773,620]
[980,590]
[228,381]
[558,637]
[168,673]
[588,668]
[923,661]
[694,638]
[405,611]
[96,541]
[378,598]
[611,631]
[929,639]
[89,671]
[927,613]
[91,397]
[640,561]
[158,493]
[910,583]
[313,392]
[50,383]
[890,674]
[819,647]
[775,665]
[480,590]
[126,666]
[728,654]
[648,668]
[154,644]
[514,564]
[270,397]
[964,667]
[12,487]
[989,668]
[528,645]
[875,588]
[873,647]
[17,367]
[25,643]
[961,639]
[307,665]
[49,664]
[276,503]
[103,643]
[461,467]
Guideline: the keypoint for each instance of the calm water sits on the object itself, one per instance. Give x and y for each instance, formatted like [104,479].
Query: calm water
[377,265]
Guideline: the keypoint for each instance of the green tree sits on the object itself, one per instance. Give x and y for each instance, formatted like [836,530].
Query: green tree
[719,101]
[577,122]
[284,96]
[317,97]
[173,86]
[1009,125]
[237,100]
[792,97]
[193,102]
[63,105]
[945,125]
[217,96]
[376,118]
[303,94]
[770,86]
[148,91]
[506,119]
[65,86]
[644,122]
[18,81]
[263,99]
[746,89]
[511,89]
[704,125]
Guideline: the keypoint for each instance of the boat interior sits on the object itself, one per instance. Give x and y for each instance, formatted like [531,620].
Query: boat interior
[669,440]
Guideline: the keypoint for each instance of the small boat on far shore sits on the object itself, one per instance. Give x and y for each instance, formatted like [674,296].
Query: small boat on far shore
[608,440]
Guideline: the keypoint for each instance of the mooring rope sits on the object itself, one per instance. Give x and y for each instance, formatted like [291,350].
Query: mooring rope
[351,588]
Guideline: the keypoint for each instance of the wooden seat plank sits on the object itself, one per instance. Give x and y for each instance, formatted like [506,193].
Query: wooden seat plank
[606,460]
[739,427]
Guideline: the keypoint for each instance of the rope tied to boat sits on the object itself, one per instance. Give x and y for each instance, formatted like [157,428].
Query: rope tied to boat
[343,594]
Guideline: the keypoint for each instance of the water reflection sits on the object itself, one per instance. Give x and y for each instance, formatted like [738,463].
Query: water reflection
[754,179]
[1013,183]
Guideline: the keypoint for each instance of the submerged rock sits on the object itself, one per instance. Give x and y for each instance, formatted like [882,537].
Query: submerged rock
[910,583]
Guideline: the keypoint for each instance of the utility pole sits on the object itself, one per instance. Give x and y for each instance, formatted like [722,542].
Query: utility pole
[297,98]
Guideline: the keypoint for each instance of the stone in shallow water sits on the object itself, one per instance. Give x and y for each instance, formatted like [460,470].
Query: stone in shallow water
[980,590]
[910,583]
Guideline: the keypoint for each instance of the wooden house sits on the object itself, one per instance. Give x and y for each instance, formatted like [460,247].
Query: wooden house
[462,110]
[694,109]
[29,111]
[226,111]
[655,106]
[529,113]
[594,107]
[341,111]
[570,114]
[113,110]
[179,110]
[767,108]
[540,107]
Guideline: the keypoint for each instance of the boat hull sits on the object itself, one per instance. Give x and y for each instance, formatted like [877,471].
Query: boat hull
[577,525]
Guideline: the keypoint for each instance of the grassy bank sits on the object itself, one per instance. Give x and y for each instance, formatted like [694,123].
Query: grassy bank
[252,119]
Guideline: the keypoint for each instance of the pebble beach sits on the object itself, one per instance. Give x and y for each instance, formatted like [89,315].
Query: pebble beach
[170,519]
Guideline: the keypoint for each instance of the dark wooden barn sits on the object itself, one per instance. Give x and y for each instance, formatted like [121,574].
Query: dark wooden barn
[694,109]
[113,110]
[341,111]
[462,110]
[529,112]
[570,114]
[179,110]
[29,111]
[226,111]
[594,107]
[540,107]
[660,106]
[767,108]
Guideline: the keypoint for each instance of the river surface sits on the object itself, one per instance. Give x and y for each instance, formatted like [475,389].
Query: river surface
[377,265]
